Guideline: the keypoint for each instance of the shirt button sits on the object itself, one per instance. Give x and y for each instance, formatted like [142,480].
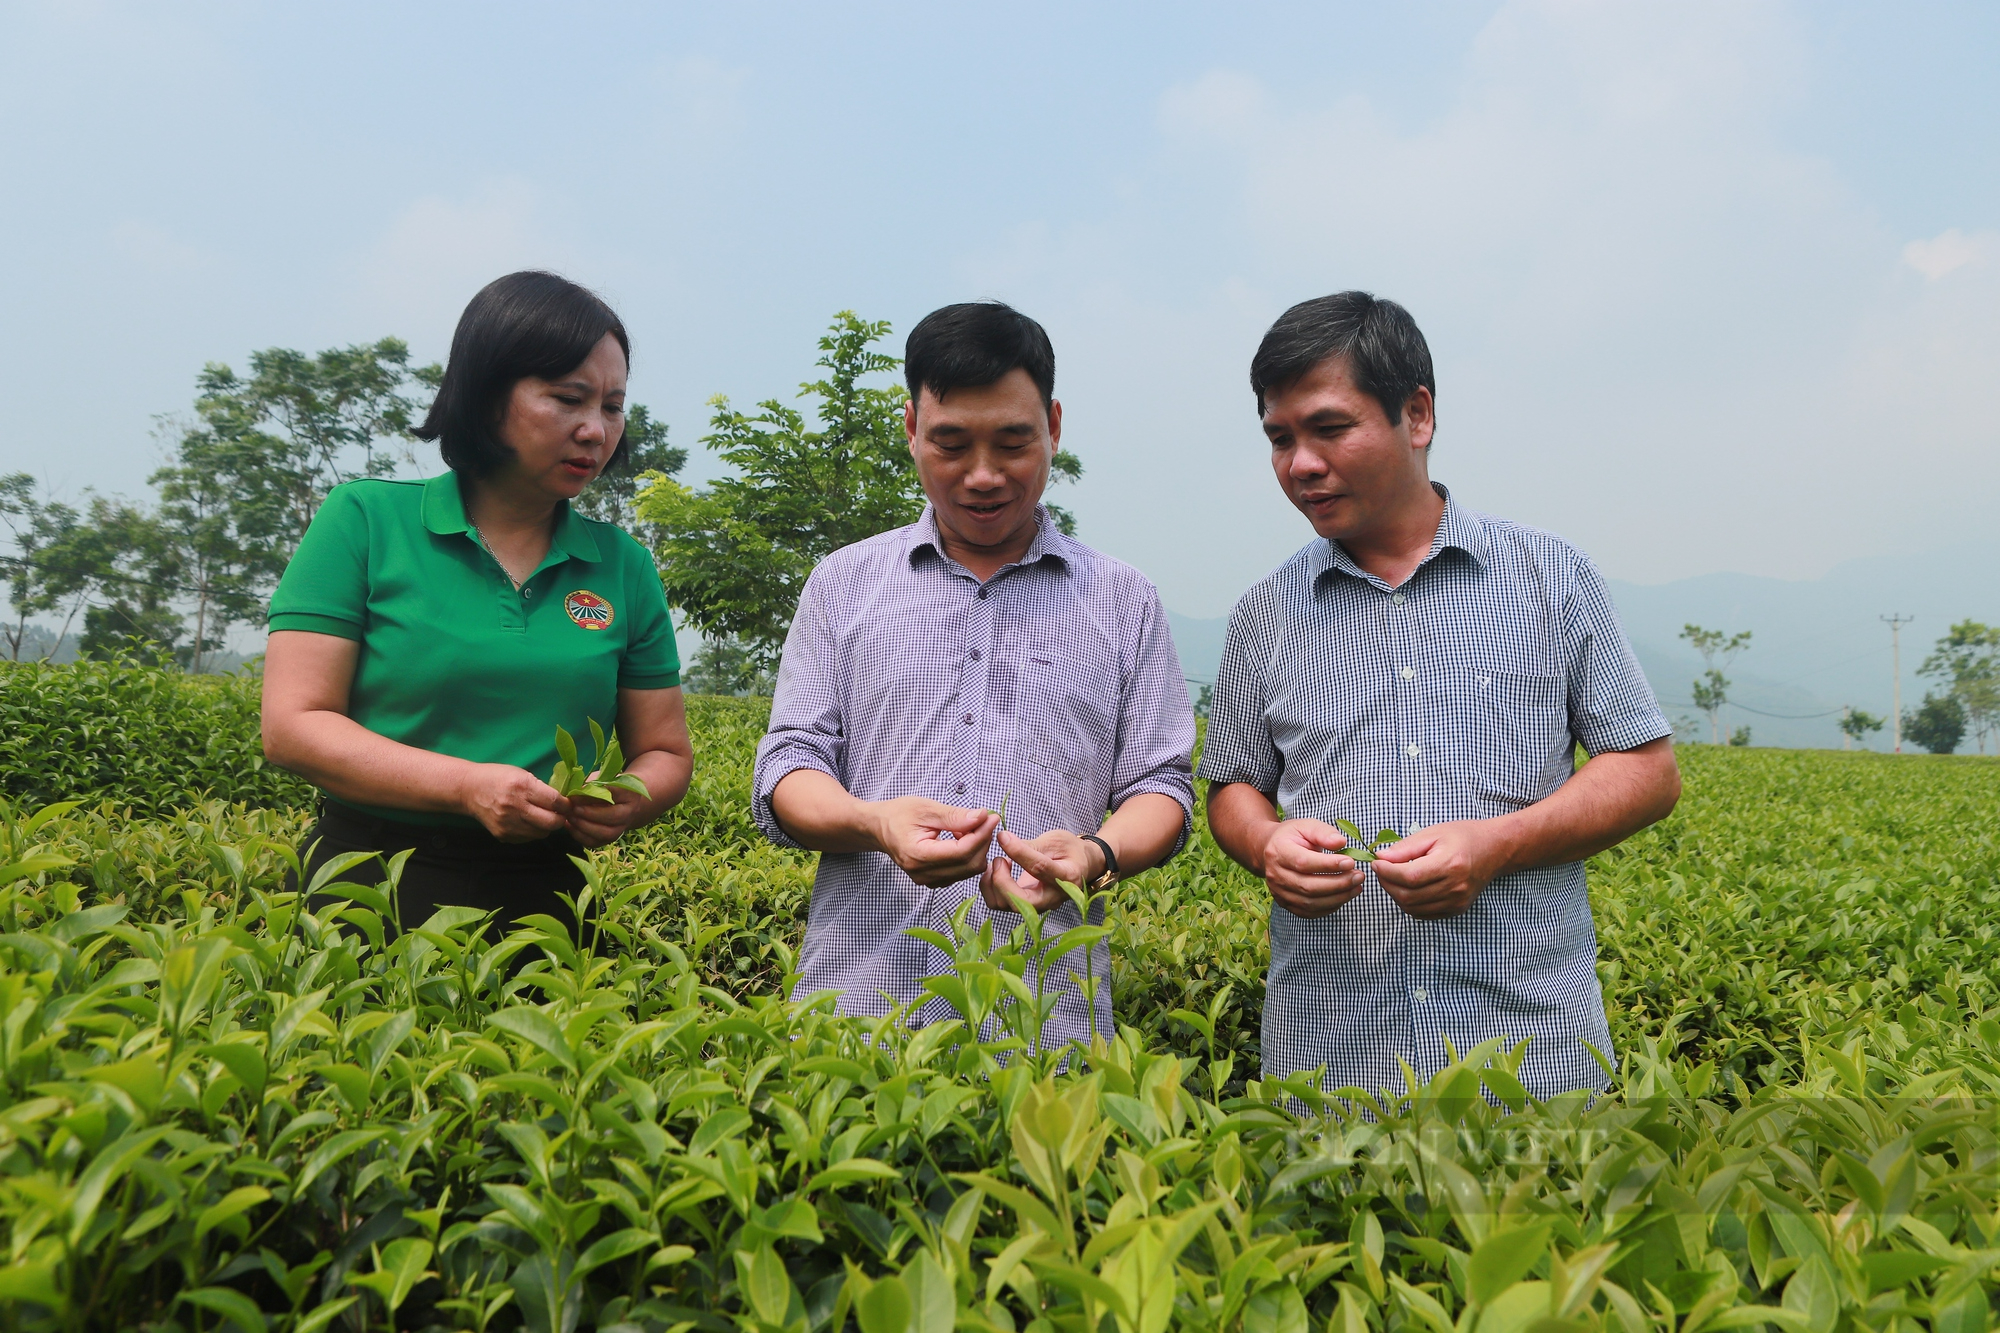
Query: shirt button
[1413,749]
[960,789]
[982,594]
[1409,673]
[967,719]
[1420,995]
[1397,599]
[527,592]
[975,654]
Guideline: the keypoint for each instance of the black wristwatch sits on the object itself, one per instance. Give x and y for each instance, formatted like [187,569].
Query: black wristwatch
[1110,875]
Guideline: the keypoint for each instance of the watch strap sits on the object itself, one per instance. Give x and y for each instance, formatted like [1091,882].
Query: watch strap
[1110,875]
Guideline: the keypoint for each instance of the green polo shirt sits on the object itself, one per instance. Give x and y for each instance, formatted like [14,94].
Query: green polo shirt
[453,658]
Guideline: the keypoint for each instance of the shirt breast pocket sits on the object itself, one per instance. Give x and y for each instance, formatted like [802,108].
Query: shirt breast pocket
[1065,715]
[1521,738]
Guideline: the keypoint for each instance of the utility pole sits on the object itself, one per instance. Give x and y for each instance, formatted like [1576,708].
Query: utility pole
[1895,624]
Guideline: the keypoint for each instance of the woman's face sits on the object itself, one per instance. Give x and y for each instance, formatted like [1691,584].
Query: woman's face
[563,431]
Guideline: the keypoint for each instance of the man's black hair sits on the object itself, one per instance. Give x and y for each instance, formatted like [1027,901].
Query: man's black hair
[973,343]
[525,324]
[1385,350]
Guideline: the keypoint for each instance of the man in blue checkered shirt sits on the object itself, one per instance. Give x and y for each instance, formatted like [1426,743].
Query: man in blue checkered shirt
[977,656]
[1422,668]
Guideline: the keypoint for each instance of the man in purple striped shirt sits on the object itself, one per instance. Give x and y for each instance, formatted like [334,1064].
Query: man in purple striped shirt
[977,655]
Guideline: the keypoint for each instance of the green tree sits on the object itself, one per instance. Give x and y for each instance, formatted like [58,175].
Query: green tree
[735,555]
[726,666]
[1938,726]
[249,470]
[1967,660]
[210,560]
[275,442]
[613,496]
[34,524]
[1718,649]
[128,564]
[1855,726]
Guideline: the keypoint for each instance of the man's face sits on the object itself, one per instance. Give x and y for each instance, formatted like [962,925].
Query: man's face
[983,456]
[1340,461]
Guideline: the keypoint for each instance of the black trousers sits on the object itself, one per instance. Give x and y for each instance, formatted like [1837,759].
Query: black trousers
[450,866]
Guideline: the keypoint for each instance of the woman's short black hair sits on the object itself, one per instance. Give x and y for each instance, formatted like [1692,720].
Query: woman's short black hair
[525,324]
[1385,350]
[977,343]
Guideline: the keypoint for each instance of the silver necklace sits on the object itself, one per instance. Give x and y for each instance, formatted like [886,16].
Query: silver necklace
[492,554]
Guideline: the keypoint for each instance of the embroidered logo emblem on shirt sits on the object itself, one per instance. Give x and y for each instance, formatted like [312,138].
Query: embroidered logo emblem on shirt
[588,609]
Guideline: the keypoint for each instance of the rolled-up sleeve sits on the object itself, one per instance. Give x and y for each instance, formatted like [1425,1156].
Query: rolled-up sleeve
[1156,723]
[806,724]
[1611,704]
[1239,746]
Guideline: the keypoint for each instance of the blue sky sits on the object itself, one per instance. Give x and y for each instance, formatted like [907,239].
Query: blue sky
[1710,286]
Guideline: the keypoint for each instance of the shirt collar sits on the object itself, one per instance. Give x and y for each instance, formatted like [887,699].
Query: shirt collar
[444,514]
[1459,528]
[922,535]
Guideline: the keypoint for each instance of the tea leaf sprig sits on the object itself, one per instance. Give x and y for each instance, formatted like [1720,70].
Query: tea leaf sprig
[1363,849]
[607,762]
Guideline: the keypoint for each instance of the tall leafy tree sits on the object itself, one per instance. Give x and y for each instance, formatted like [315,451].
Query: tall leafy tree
[1967,661]
[735,554]
[248,471]
[34,524]
[1718,649]
[613,497]
[123,559]
[1938,726]
[277,440]
[1855,724]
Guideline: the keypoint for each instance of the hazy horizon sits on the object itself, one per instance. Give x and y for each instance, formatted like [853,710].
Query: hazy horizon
[1710,287]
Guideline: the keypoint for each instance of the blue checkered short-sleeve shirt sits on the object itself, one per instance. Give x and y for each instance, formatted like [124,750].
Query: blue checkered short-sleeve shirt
[1459,695]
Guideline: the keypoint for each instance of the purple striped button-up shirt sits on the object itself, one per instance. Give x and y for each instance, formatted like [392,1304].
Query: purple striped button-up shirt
[1054,684]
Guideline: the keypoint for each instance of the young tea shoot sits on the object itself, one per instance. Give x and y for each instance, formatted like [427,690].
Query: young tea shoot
[1361,849]
[606,771]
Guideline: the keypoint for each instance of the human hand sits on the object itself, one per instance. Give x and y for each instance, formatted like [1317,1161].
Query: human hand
[511,803]
[595,823]
[1304,875]
[1057,855]
[909,831]
[1440,871]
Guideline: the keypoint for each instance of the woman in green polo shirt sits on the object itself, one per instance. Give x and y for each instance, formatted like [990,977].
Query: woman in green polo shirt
[428,637]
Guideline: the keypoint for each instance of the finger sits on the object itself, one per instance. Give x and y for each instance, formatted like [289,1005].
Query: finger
[1405,850]
[1321,889]
[1311,860]
[965,821]
[953,861]
[1309,906]
[541,820]
[1040,864]
[1312,833]
[997,885]
[1412,877]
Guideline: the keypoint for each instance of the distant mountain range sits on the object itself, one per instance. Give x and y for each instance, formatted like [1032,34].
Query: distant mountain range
[1817,644]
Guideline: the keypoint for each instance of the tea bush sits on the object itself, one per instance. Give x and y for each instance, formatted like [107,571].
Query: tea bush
[223,1111]
[144,738]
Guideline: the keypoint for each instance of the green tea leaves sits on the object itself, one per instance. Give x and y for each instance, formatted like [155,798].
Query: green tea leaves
[605,774]
[1364,849]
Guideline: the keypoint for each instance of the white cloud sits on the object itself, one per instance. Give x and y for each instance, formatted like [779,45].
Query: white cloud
[155,250]
[697,104]
[1949,250]
[1661,329]
[439,250]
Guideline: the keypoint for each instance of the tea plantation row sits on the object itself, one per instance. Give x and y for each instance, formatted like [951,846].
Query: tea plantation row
[221,1110]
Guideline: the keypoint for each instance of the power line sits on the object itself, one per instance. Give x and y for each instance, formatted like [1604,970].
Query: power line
[1789,717]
